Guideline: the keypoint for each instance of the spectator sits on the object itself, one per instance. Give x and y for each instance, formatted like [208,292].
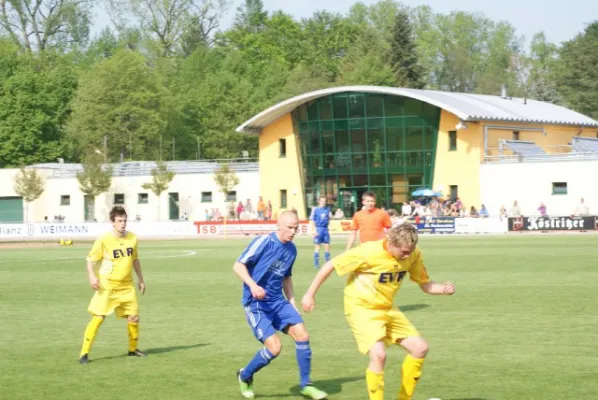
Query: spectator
[207,215]
[581,209]
[249,209]
[503,212]
[483,212]
[406,210]
[269,211]
[515,211]
[339,214]
[473,213]
[542,209]
[261,209]
[137,218]
[216,216]
[239,210]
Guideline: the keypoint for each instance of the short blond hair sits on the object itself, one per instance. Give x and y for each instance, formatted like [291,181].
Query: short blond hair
[403,234]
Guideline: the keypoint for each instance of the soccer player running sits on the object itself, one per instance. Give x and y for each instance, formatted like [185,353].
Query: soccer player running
[376,271]
[116,254]
[371,222]
[265,268]
[321,219]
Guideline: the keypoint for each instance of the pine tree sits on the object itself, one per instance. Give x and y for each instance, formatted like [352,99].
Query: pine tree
[403,55]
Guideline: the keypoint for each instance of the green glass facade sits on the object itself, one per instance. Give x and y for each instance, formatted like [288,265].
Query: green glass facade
[354,142]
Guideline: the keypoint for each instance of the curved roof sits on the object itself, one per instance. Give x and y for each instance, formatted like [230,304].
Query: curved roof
[466,106]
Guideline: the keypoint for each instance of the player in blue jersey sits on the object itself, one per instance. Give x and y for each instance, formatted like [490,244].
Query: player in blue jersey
[321,218]
[265,268]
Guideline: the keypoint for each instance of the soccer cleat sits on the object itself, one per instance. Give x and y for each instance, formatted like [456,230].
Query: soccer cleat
[246,386]
[136,353]
[314,393]
[84,359]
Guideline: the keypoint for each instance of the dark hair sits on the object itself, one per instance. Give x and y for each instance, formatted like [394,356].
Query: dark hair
[368,194]
[117,211]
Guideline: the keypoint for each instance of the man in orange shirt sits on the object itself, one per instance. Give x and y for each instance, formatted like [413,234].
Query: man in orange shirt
[371,222]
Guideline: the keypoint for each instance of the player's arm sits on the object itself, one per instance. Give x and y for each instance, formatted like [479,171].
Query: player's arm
[94,282]
[250,257]
[419,275]
[95,255]
[432,287]
[287,289]
[347,262]
[241,270]
[139,273]
[312,222]
[353,232]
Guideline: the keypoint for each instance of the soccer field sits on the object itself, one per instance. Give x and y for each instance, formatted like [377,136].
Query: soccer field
[522,325]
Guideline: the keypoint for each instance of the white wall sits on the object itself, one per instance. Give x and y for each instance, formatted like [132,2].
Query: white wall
[531,183]
[188,186]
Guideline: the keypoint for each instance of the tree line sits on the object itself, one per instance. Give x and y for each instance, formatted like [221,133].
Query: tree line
[166,82]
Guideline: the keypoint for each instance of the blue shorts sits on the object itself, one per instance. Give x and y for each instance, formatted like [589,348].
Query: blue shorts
[323,236]
[265,318]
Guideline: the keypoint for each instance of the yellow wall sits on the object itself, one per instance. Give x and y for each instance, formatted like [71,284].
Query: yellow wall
[555,135]
[278,173]
[462,166]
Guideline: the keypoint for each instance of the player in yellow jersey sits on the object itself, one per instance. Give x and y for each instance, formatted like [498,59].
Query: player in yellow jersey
[115,253]
[376,271]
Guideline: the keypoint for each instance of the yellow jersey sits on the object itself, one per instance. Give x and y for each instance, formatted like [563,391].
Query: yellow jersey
[115,256]
[375,276]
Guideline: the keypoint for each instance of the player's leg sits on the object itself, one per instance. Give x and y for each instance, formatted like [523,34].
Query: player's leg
[129,308]
[288,320]
[374,375]
[369,330]
[88,337]
[317,250]
[417,348]
[133,330]
[261,325]
[327,249]
[401,331]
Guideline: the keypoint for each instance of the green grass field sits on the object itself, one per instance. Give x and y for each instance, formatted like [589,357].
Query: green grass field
[522,325]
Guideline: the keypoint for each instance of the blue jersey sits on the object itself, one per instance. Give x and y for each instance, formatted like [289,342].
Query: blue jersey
[269,262]
[320,216]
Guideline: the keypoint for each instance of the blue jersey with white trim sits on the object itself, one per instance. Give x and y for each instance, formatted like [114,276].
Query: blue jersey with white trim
[320,216]
[268,261]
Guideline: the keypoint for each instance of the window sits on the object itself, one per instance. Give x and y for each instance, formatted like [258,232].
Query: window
[452,140]
[283,199]
[515,135]
[142,198]
[231,196]
[206,197]
[65,200]
[454,192]
[119,198]
[282,143]
[559,187]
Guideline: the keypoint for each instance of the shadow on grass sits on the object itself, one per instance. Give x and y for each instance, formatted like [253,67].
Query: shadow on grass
[330,386]
[414,307]
[156,350]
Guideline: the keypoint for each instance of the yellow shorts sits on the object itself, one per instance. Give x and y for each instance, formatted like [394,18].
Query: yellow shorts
[123,301]
[371,326]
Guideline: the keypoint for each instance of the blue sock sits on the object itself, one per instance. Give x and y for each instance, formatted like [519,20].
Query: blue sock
[262,358]
[317,259]
[327,255]
[304,361]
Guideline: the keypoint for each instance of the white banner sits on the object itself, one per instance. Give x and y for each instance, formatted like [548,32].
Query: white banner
[242,228]
[64,230]
[481,225]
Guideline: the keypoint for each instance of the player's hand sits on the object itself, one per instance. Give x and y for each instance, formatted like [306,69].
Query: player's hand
[449,288]
[258,292]
[314,234]
[308,303]
[142,287]
[94,282]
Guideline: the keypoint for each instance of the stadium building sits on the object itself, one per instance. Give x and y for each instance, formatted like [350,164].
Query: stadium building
[342,141]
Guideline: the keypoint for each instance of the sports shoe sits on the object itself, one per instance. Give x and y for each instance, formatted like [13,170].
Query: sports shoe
[246,386]
[136,353]
[84,359]
[314,393]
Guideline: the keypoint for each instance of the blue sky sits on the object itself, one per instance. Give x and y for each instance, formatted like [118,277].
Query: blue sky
[560,20]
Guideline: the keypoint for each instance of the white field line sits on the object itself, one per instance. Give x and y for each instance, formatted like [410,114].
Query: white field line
[187,253]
